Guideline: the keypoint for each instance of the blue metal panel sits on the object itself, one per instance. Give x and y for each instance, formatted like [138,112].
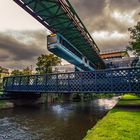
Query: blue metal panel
[60,17]
[64,49]
[101,81]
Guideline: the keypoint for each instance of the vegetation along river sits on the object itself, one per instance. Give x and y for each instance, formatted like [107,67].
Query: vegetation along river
[67,121]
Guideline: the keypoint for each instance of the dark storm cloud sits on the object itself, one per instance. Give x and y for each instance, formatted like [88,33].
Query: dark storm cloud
[22,46]
[124,5]
[96,14]
[3,57]
[114,44]
[88,8]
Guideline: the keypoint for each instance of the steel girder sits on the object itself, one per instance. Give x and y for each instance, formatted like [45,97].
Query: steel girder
[100,81]
[59,17]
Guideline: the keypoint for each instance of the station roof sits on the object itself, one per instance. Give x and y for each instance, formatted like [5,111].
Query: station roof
[59,17]
[115,54]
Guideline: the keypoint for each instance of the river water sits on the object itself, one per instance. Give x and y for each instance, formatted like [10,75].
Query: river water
[67,121]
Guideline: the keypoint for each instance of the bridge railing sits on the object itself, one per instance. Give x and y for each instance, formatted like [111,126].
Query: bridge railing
[111,80]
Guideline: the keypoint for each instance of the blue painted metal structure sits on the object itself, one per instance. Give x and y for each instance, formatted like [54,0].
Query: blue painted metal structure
[59,17]
[101,81]
[61,47]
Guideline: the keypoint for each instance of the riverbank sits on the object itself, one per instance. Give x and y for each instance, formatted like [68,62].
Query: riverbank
[6,105]
[55,121]
[121,123]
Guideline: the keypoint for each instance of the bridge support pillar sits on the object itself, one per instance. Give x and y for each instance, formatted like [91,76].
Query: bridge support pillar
[50,98]
[28,99]
[82,97]
[66,97]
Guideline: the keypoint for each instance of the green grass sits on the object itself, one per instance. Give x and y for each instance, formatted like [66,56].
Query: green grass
[129,100]
[2,104]
[118,124]
[129,97]
[133,102]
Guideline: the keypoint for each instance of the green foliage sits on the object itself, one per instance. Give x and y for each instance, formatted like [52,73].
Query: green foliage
[45,63]
[16,72]
[130,100]
[27,71]
[129,97]
[2,104]
[118,124]
[135,38]
[1,87]
[103,95]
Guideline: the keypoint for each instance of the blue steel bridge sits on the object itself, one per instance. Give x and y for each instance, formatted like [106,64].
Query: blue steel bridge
[99,81]
[60,18]
[70,40]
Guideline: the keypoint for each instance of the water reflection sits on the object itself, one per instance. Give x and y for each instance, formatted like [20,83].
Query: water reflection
[62,111]
[52,122]
[106,104]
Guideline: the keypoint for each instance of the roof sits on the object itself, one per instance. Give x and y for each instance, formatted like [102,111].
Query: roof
[115,54]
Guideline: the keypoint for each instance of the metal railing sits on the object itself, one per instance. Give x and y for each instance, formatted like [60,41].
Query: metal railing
[101,81]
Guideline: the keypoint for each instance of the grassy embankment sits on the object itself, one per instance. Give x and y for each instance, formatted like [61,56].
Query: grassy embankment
[121,123]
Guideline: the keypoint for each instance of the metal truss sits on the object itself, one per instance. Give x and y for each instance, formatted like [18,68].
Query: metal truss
[59,17]
[100,81]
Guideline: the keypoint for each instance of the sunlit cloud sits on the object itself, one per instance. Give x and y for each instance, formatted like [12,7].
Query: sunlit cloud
[124,17]
[105,35]
[111,40]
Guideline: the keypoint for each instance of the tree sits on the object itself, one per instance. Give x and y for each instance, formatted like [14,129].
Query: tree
[135,38]
[27,71]
[45,63]
[16,72]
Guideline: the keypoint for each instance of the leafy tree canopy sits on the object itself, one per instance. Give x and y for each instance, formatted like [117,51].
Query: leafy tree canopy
[16,72]
[27,71]
[45,63]
[135,38]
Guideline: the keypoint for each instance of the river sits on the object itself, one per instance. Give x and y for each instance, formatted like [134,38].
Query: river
[67,121]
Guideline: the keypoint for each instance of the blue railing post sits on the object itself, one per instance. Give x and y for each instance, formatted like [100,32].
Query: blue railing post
[81,74]
[46,81]
[57,86]
[5,81]
[129,80]
[20,81]
[36,81]
[68,82]
[111,80]
[118,80]
[96,81]
[13,82]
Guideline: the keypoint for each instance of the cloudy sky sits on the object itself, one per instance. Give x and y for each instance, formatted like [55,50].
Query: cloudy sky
[23,39]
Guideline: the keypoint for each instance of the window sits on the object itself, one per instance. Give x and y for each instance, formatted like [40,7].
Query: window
[52,39]
[69,47]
